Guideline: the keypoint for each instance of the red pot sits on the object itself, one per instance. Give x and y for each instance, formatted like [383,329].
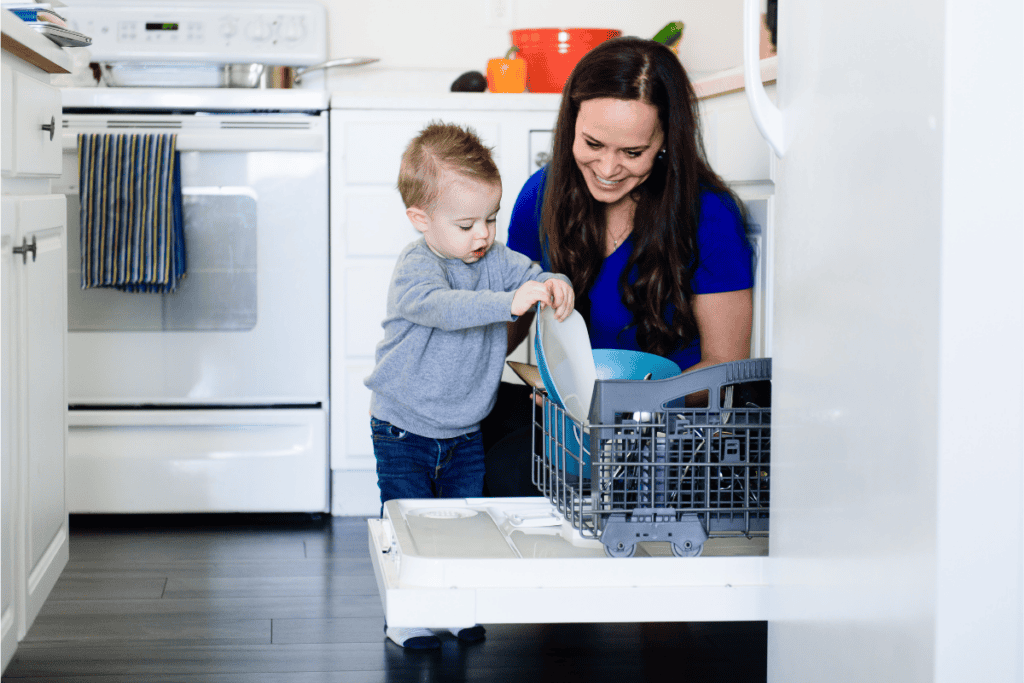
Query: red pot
[552,53]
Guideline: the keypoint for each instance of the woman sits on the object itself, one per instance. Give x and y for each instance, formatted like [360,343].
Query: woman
[653,240]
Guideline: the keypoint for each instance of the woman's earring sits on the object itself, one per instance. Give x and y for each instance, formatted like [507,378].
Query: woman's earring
[661,155]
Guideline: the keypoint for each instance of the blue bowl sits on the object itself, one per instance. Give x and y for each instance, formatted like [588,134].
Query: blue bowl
[623,364]
[610,364]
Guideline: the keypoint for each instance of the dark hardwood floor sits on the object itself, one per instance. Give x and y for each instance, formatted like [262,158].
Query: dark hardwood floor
[292,599]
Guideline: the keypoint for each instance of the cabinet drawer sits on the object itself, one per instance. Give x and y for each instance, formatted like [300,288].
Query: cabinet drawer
[373,151]
[37,150]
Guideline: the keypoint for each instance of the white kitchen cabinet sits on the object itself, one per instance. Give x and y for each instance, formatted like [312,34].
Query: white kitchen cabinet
[31,118]
[33,330]
[369,228]
[8,442]
[37,114]
[40,326]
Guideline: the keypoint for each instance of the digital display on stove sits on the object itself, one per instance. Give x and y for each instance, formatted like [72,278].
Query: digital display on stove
[156,26]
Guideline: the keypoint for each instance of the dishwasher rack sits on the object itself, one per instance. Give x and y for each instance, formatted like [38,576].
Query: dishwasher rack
[646,467]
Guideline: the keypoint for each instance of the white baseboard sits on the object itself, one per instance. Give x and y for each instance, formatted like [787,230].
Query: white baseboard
[354,493]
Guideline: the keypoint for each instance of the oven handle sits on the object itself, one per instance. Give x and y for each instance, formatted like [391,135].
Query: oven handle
[238,141]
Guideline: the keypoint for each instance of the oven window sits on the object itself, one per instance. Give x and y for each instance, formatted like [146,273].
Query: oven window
[218,292]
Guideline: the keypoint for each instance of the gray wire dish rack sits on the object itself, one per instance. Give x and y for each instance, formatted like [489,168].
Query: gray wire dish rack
[648,468]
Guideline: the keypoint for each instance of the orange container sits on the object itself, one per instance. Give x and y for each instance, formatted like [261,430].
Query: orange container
[551,53]
[506,75]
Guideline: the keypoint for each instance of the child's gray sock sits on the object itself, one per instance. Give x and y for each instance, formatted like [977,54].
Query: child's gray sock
[413,638]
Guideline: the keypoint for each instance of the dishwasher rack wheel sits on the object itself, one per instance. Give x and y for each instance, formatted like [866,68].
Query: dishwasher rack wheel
[623,531]
[687,549]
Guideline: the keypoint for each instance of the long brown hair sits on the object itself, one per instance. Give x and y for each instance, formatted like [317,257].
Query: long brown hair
[664,253]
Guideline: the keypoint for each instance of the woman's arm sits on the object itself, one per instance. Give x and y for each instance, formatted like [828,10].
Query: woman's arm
[723,322]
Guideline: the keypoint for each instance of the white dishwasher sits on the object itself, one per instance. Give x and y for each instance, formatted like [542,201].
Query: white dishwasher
[660,515]
[514,560]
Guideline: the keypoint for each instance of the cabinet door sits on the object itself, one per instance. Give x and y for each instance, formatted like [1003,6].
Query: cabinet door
[732,142]
[41,355]
[759,205]
[8,440]
[540,149]
[38,124]
[6,119]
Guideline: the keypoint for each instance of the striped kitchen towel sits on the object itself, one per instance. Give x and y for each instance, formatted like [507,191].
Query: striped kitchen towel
[132,233]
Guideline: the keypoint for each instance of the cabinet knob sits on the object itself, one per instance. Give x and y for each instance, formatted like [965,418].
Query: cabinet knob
[541,159]
[25,248]
[51,126]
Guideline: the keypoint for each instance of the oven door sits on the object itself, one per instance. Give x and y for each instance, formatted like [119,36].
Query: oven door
[248,324]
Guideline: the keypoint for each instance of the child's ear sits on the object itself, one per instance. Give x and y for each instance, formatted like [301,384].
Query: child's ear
[418,217]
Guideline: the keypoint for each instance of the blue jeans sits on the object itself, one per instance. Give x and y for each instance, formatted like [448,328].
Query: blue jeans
[414,466]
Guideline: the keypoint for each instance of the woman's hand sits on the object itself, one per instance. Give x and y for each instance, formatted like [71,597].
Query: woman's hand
[563,297]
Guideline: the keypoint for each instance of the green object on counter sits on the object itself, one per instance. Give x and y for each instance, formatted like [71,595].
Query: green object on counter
[671,34]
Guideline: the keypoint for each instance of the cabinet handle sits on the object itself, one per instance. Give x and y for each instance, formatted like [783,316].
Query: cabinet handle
[541,159]
[25,248]
[52,126]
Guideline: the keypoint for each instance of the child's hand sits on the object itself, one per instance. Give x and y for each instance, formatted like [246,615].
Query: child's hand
[530,293]
[563,297]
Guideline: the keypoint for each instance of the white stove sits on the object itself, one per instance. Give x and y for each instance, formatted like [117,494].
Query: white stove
[212,398]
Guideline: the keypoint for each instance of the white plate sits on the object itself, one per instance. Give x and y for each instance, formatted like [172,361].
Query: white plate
[569,360]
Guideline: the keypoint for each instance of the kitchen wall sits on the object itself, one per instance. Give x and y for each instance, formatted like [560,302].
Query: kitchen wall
[424,44]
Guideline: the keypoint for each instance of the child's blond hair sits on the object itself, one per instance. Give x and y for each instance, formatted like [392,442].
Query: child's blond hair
[439,148]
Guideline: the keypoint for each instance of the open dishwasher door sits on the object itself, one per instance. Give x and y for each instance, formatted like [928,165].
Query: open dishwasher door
[447,562]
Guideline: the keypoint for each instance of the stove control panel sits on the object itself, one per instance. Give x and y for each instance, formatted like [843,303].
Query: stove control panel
[292,33]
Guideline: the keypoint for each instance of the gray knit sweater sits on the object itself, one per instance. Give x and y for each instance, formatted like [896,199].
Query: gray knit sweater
[440,362]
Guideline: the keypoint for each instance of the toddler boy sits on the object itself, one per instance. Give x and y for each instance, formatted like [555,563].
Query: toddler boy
[451,294]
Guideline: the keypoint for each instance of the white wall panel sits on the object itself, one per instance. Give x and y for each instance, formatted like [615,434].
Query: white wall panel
[418,35]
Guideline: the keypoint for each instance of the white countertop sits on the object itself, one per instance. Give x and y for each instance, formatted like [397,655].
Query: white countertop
[32,46]
[705,85]
[447,100]
[306,99]
[730,80]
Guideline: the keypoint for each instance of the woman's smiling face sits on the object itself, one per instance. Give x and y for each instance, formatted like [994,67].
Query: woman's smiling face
[615,145]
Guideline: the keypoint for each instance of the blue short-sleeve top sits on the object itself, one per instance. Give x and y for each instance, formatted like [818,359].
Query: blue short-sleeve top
[725,265]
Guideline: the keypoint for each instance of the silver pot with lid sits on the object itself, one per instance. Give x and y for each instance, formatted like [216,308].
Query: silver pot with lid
[270,76]
[210,75]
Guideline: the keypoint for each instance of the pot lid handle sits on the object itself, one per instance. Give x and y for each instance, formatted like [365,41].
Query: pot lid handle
[342,61]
